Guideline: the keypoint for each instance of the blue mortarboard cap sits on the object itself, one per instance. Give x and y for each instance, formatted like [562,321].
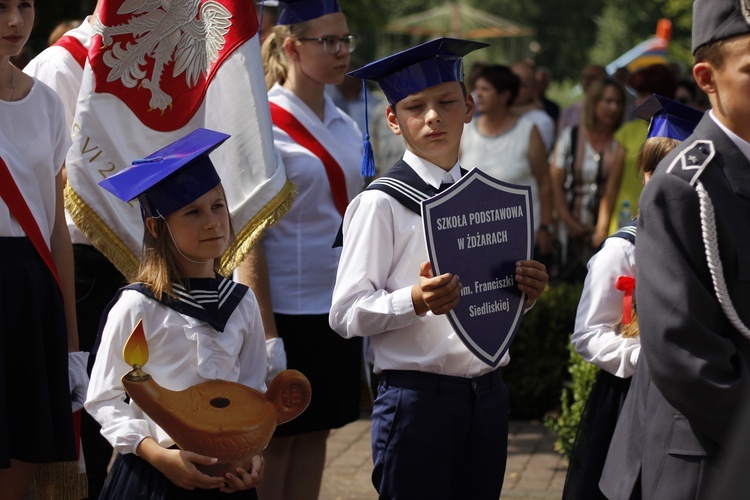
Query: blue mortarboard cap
[415,69]
[668,118]
[715,20]
[172,177]
[298,11]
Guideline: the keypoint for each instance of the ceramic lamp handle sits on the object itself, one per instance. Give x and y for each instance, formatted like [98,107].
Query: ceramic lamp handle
[290,393]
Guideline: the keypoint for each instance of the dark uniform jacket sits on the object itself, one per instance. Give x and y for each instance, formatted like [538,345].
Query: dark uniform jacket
[694,369]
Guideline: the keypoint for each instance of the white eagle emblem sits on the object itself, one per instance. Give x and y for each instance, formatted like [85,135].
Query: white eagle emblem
[745,6]
[164,30]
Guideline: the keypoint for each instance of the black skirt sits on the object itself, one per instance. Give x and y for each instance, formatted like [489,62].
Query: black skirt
[593,437]
[132,477]
[36,423]
[333,365]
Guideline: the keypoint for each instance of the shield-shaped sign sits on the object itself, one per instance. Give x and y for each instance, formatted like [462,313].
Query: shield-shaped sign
[478,229]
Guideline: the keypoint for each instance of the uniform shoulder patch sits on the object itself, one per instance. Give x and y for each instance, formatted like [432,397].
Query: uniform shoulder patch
[691,162]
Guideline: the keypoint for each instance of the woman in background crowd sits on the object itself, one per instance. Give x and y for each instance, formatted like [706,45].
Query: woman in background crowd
[585,170]
[509,147]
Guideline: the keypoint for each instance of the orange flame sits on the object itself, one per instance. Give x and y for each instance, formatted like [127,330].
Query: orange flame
[135,351]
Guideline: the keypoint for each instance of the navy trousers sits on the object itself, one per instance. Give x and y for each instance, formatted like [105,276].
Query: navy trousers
[439,437]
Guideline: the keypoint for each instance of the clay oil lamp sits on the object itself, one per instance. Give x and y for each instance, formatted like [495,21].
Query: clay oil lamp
[226,420]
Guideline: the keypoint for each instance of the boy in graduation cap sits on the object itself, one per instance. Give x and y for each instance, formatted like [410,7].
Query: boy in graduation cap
[440,420]
[693,284]
[606,329]
[199,325]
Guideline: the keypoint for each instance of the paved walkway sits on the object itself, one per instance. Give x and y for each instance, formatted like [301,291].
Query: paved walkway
[534,470]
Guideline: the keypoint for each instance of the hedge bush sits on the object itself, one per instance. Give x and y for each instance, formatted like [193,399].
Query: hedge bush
[539,354]
[572,401]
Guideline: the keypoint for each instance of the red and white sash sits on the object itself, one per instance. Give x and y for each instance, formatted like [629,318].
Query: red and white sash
[294,128]
[13,198]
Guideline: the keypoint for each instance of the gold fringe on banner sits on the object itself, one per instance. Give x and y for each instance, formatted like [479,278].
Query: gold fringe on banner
[60,481]
[103,238]
[253,230]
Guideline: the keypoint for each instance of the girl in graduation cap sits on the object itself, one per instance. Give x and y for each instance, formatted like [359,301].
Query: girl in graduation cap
[606,328]
[199,326]
[321,147]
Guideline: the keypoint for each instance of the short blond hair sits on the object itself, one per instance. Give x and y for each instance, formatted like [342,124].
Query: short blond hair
[653,150]
[631,330]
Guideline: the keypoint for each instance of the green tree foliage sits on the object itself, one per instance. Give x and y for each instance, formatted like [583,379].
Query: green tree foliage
[368,18]
[624,24]
[564,30]
[681,14]
[572,402]
[569,34]
[539,352]
[613,36]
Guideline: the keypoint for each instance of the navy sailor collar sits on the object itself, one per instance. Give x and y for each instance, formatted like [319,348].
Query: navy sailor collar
[406,186]
[212,300]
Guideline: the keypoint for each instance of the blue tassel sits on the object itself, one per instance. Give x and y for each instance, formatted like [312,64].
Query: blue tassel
[368,160]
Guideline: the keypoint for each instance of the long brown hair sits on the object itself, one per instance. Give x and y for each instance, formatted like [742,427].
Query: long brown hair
[159,266]
[594,95]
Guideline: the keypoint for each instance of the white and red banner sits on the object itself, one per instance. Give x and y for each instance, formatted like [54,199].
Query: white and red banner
[157,71]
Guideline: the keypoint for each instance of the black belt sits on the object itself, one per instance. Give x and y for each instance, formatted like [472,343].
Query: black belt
[432,382]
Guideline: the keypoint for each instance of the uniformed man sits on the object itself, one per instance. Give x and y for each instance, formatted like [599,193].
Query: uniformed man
[693,284]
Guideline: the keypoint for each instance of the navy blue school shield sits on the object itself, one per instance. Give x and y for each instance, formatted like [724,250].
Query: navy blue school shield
[478,229]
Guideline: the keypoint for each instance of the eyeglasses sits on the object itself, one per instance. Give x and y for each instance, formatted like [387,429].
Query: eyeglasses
[332,44]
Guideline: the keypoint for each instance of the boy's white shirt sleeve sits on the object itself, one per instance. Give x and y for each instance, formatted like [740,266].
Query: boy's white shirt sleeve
[369,298]
[600,308]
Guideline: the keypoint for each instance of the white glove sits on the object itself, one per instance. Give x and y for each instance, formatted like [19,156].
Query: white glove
[276,356]
[78,378]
